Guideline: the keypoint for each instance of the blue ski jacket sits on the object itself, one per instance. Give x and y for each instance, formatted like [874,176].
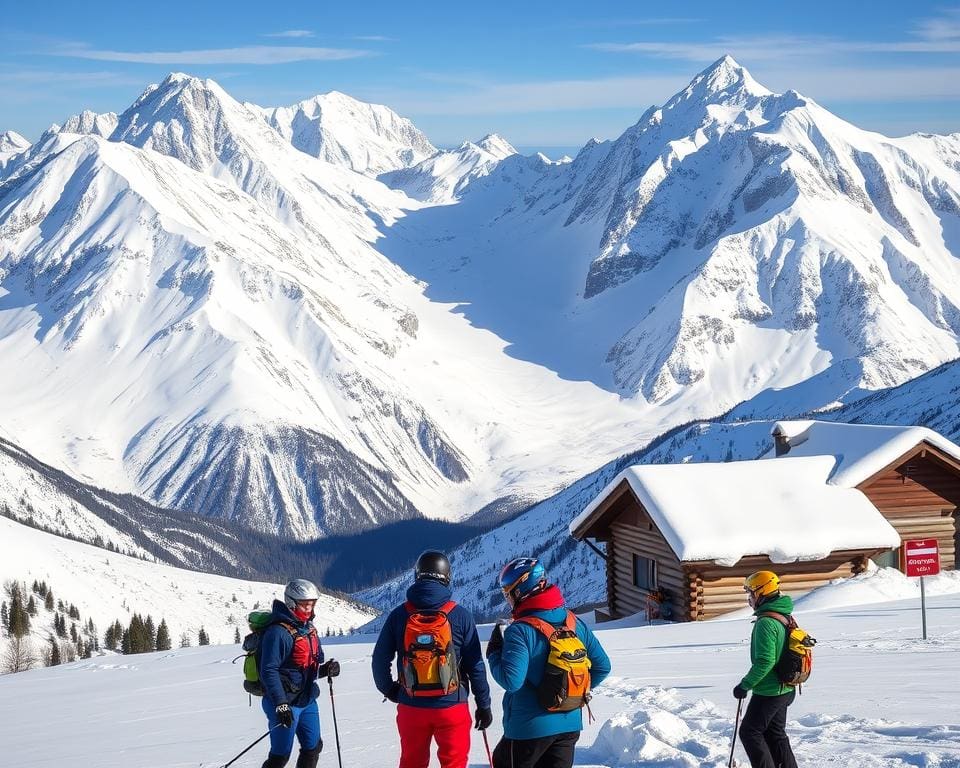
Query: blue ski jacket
[428,594]
[518,667]
[283,680]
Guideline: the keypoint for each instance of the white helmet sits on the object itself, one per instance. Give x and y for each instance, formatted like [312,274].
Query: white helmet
[299,590]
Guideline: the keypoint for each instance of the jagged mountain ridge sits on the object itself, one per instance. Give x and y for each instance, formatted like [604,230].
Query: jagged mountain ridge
[731,241]
[367,138]
[282,335]
[267,364]
[443,177]
[214,262]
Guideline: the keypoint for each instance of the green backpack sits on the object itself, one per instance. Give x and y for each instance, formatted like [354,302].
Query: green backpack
[258,621]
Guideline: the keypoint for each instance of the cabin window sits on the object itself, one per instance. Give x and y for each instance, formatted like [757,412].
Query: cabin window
[888,559]
[644,573]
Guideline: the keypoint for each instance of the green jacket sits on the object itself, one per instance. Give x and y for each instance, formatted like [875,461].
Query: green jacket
[766,644]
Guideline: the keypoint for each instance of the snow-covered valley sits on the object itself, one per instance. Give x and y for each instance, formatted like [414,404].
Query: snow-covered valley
[294,345]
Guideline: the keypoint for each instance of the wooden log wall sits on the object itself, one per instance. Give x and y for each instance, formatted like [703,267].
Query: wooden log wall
[920,498]
[716,590]
[634,534]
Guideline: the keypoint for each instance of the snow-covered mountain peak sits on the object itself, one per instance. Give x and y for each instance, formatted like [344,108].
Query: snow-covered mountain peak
[89,122]
[368,138]
[496,145]
[184,117]
[11,141]
[725,76]
[443,177]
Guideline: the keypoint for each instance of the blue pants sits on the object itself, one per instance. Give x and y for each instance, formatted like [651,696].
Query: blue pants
[306,727]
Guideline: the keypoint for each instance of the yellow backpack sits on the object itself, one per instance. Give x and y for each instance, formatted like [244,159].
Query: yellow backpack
[566,677]
[796,660]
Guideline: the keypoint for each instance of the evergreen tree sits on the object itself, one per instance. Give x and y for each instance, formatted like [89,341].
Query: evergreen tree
[4,616]
[48,601]
[125,642]
[203,638]
[137,636]
[19,618]
[32,606]
[60,624]
[74,612]
[150,634]
[73,633]
[54,652]
[163,636]
[236,635]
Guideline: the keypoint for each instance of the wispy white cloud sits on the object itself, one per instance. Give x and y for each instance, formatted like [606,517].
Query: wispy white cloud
[73,79]
[774,48]
[375,38]
[858,84]
[252,54]
[939,34]
[945,27]
[290,33]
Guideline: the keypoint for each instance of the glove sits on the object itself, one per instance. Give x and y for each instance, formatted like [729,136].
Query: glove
[285,715]
[495,645]
[483,719]
[739,692]
[329,669]
[393,694]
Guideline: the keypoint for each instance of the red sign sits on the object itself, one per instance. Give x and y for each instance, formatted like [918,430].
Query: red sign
[921,557]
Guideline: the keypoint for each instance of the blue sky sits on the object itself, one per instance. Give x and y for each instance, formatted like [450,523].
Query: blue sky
[543,74]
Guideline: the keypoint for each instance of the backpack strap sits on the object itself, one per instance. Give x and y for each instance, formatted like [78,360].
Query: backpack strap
[546,628]
[786,619]
[444,609]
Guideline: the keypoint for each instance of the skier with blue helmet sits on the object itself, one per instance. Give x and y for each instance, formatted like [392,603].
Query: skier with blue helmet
[534,736]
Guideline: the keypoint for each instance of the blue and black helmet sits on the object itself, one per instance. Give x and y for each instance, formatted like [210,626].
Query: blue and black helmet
[522,577]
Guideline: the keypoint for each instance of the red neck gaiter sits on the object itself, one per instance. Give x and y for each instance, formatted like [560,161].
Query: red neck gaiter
[547,600]
[303,616]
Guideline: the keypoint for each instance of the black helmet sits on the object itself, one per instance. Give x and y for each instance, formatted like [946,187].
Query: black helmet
[433,564]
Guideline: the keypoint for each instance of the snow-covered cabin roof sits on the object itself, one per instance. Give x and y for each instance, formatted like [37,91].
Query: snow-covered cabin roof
[784,509]
[859,451]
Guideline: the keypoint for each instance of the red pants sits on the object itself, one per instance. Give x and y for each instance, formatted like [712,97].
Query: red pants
[450,726]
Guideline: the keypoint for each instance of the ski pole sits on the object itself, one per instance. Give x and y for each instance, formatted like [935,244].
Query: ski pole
[487,745]
[736,725]
[336,732]
[227,765]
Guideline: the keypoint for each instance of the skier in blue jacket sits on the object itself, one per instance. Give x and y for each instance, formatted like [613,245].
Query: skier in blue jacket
[290,661]
[534,737]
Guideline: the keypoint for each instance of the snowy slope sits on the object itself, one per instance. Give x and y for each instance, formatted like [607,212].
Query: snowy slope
[732,241]
[106,586]
[296,346]
[932,400]
[442,178]
[879,697]
[367,138]
[267,363]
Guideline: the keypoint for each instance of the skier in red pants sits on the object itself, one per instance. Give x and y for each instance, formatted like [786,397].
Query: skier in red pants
[438,657]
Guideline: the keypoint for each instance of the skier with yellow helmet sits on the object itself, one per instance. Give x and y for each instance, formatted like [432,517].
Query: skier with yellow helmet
[763,730]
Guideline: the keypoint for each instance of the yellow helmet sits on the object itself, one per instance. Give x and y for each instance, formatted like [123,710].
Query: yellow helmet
[762,583]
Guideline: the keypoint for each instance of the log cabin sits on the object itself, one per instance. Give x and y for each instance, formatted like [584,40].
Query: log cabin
[826,499]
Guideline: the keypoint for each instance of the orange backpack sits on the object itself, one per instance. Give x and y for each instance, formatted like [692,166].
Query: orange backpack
[566,676]
[428,663]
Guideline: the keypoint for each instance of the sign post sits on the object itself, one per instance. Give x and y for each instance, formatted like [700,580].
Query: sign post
[921,557]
